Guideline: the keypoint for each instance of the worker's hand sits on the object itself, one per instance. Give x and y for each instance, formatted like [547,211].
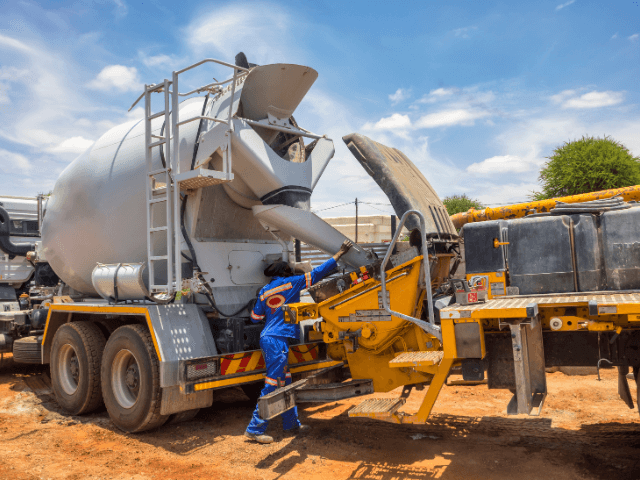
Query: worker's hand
[344,248]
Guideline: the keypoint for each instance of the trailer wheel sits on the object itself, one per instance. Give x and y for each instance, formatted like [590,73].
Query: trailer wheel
[76,353]
[131,380]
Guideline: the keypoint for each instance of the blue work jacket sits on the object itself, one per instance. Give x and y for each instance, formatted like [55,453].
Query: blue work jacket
[283,290]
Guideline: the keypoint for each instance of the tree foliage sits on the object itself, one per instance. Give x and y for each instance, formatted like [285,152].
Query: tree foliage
[587,165]
[461,203]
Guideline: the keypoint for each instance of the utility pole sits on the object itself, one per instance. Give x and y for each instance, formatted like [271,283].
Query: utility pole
[356,219]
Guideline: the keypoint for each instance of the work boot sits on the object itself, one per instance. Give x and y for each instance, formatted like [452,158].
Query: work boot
[301,430]
[259,438]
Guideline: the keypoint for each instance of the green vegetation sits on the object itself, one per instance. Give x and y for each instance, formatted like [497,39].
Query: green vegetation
[460,203]
[587,165]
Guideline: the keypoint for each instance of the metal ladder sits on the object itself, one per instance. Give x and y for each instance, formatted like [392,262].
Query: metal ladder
[174,180]
[156,195]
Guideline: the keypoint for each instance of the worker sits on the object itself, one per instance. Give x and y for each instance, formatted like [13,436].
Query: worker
[284,288]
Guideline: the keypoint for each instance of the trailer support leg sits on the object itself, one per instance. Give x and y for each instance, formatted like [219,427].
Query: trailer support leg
[528,362]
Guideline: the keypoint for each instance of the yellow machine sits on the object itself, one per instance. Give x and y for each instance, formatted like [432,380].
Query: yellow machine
[384,324]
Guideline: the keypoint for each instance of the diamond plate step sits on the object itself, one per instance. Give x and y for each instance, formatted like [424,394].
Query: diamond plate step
[417,359]
[376,406]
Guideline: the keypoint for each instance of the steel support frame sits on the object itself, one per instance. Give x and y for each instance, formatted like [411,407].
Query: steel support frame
[529,367]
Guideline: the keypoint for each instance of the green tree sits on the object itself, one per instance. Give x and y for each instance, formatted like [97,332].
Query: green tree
[460,203]
[587,165]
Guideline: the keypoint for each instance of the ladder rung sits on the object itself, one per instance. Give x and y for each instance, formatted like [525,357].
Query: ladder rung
[156,172]
[156,115]
[159,257]
[157,136]
[155,144]
[158,229]
[158,200]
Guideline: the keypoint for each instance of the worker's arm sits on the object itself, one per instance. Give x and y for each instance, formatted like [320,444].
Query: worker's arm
[318,273]
[258,312]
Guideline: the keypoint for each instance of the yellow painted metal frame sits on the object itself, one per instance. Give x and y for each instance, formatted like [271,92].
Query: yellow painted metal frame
[104,309]
[227,382]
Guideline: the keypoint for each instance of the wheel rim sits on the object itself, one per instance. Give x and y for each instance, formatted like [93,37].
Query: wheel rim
[125,378]
[68,369]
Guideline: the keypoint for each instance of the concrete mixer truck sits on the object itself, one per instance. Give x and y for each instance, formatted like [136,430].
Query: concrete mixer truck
[161,230]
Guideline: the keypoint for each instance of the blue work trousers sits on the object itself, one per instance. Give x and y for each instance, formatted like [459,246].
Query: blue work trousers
[276,352]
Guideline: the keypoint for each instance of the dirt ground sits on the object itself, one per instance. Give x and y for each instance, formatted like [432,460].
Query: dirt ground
[584,432]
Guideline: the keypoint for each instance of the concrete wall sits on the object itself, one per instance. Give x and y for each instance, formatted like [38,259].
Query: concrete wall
[371,228]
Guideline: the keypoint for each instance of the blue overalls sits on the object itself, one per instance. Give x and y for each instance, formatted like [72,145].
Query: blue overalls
[275,335]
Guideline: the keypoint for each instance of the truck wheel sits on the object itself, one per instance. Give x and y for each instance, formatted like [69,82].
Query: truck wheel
[131,380]
[76,352]
[185,416]
[253,390]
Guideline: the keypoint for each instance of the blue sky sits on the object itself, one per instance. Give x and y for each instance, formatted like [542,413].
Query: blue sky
[477,94]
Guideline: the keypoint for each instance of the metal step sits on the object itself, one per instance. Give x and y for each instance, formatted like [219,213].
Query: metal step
[417,359]
[375,407]
[201,177]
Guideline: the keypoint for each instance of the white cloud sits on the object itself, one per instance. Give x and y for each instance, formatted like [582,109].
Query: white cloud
[501,164]
[121,9]
[164,61]
[437,95]
[14,44]
[396,121]
[614,36]
[594,100]
[400,95]
[464,32]
[562,5]
[117,77]
[73,145]
[634,37]
[450,117]
[11,162]
[264,32]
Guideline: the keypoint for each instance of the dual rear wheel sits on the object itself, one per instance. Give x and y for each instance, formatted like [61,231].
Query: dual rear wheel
[123,372]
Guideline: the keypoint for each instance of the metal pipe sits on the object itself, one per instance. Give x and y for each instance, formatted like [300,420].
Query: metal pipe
[283,129]
[213,60]
[520,209]
[203,118]
[431,326]
[177,232]
[228,167]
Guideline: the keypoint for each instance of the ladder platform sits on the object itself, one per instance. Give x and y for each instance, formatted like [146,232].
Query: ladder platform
[417,359]
[376,407]
[201,177]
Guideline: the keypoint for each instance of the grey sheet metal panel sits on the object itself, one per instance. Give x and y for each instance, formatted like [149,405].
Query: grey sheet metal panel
[182,332]
[403,183]
[277,89]
[259,166]
[97,211]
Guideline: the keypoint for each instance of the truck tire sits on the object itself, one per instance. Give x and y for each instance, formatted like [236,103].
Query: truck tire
[131,380]
[76,353]
[28,350]
[185,416]
[253,390]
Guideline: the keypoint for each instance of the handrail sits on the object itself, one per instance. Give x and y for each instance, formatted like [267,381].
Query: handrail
[213,60]
[429,327]
[300,132]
